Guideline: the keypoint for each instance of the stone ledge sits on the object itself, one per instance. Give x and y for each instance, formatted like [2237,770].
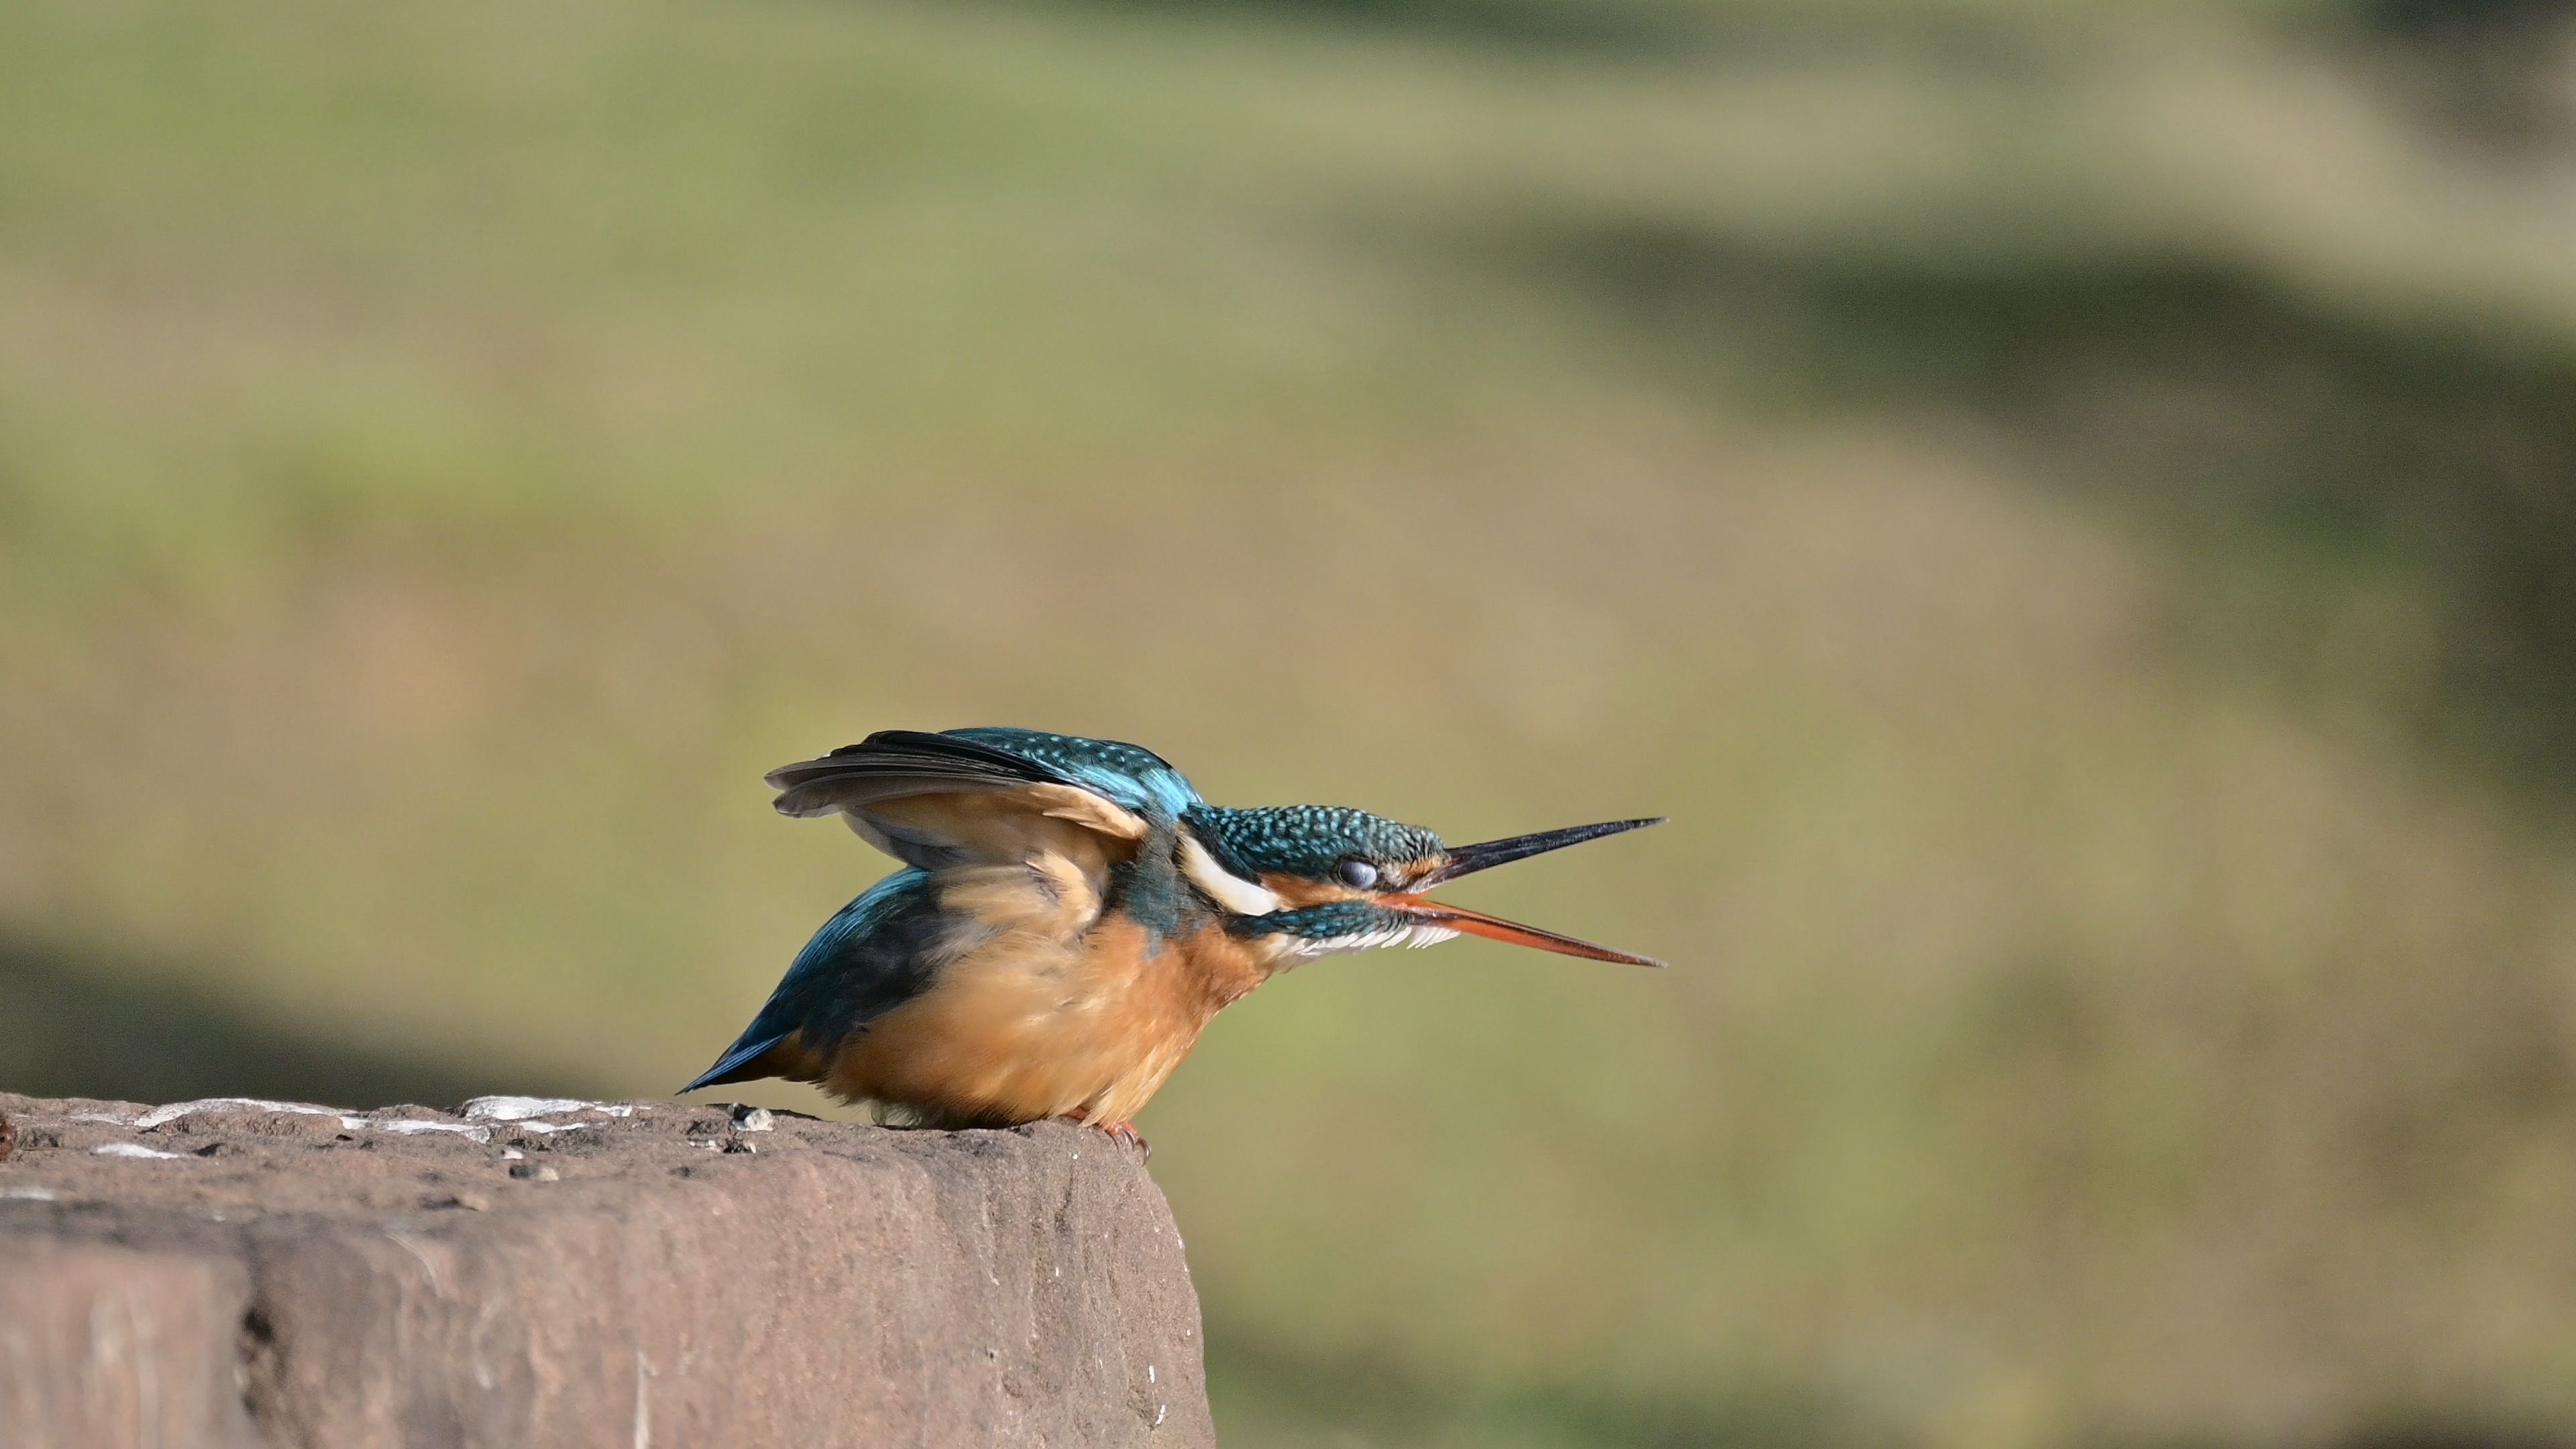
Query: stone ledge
[552,1272]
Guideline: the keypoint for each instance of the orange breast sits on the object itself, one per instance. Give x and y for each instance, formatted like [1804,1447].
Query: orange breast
[1027,1025]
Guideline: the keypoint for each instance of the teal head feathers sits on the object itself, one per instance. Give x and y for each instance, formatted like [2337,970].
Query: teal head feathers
[1318,879]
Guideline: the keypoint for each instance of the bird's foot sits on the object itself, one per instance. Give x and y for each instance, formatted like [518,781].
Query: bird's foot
[1124,1133]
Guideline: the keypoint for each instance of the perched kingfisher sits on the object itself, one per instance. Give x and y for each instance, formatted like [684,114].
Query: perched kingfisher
[1070,917]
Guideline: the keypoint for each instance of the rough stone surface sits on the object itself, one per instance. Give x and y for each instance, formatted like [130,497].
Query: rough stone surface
[263,1274]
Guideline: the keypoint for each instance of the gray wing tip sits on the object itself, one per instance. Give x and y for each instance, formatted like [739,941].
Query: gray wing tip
[740,1054]
[802,804]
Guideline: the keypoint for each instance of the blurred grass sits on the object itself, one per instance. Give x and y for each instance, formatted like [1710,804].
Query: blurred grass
[2065,504]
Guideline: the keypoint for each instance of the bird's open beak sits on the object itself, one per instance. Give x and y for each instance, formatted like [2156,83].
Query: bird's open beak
[1485,855]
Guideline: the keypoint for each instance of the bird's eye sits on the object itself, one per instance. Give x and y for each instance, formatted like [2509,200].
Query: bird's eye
[1357,874]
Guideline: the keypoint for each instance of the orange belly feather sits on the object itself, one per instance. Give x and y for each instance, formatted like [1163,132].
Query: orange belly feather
[1029,1021]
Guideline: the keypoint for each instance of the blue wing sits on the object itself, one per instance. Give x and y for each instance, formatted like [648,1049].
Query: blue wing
[1131,775]
[992,794]
[872,956]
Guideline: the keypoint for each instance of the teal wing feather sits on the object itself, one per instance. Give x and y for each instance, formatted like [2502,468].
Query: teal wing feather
[1131,775]
[1133,787]
[872,956]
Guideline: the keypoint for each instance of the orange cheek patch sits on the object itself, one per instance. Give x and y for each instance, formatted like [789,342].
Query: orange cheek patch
[1295,891]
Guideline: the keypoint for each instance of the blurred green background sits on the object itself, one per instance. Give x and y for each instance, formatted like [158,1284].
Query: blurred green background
[2071,507]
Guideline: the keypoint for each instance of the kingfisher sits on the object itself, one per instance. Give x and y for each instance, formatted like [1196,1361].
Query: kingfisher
[1070,916]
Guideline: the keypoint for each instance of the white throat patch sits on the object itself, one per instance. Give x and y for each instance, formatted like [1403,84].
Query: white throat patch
[1243,897]
[1414,936]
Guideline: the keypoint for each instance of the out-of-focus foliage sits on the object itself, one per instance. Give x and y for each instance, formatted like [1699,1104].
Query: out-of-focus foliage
[2068,506]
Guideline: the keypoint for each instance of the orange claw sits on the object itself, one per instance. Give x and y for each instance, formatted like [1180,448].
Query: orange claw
[1126,1132]
[1121,1132]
